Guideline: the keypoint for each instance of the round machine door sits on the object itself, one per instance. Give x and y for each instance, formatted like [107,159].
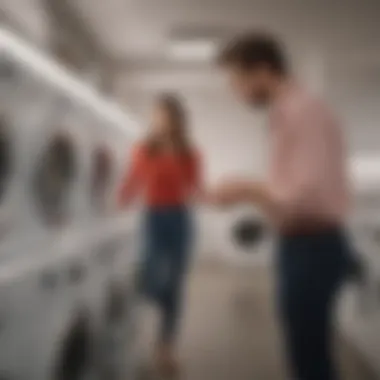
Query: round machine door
[75,358]
[101,177]
[54,175]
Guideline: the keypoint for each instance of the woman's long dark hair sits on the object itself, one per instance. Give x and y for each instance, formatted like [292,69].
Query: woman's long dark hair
[172,104]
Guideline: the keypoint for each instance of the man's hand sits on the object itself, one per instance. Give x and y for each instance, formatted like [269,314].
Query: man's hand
[233,192]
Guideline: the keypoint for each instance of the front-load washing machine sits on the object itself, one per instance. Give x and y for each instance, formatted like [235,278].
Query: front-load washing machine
[58,278]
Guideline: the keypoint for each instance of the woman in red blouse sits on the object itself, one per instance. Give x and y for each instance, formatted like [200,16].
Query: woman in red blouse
[165,172]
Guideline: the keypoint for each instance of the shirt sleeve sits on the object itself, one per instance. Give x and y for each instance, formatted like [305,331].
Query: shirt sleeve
[293,194]
[132,179]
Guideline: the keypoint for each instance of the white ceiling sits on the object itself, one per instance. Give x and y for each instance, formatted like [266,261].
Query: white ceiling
[341,36]
[128,27]
[334,46]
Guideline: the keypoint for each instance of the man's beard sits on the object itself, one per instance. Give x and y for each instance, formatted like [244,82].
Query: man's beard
[260,100]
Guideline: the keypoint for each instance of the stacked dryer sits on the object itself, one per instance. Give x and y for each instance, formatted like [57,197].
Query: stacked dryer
[67,260]
[360,301]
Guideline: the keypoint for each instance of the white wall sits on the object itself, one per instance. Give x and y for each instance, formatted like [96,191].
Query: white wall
[354,88]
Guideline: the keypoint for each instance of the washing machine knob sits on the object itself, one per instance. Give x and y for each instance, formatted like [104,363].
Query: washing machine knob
[77,273]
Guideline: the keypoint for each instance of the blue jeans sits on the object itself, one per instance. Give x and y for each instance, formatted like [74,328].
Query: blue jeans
[310,270]
[167,238]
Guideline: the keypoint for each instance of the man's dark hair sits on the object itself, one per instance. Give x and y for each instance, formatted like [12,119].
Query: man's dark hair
[252,51]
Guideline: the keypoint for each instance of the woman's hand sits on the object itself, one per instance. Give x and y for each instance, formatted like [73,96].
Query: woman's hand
[233,192]
[226,194]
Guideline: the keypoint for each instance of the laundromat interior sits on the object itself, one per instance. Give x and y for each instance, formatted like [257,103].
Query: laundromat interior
[77,81]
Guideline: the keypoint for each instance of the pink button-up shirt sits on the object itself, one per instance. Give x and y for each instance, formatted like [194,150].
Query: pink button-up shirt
[308,176]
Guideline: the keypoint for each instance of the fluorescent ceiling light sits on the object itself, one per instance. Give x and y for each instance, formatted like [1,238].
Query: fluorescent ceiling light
[199,50]
[61,78]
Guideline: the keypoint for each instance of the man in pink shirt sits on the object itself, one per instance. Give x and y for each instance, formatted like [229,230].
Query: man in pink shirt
[305,197]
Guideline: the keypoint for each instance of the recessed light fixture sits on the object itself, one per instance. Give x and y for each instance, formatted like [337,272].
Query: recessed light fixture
[193,50]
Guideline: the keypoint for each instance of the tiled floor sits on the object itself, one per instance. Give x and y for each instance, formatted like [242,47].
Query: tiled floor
[230,331]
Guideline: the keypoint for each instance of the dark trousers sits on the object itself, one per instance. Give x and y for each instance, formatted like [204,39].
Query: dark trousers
[167,237]
[310,270]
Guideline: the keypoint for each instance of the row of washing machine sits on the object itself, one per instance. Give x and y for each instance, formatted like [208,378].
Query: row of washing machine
[68,305]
